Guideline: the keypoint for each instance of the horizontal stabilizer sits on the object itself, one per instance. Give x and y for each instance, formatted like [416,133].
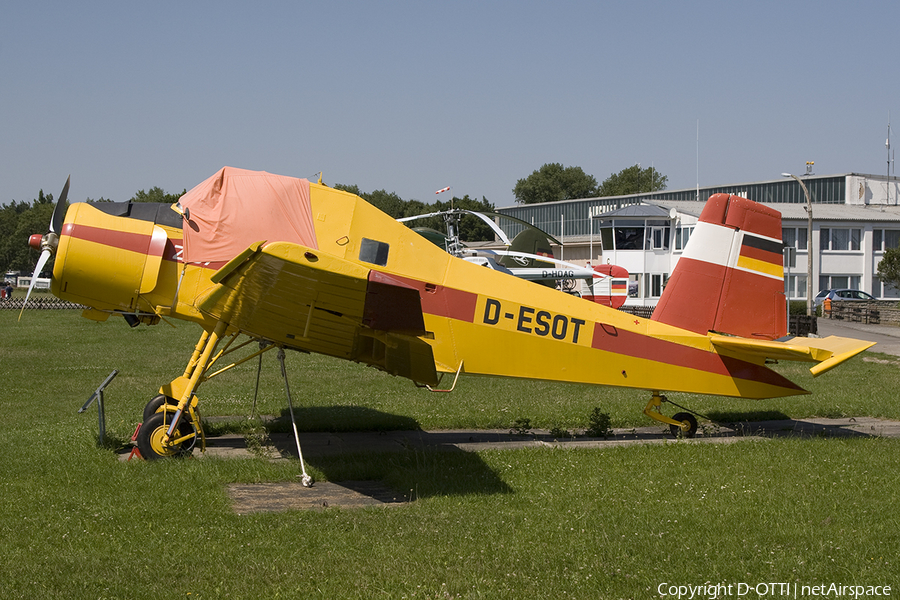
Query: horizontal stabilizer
[827,352]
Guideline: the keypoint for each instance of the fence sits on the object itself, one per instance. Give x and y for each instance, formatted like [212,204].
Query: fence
[884,312]
[39,303]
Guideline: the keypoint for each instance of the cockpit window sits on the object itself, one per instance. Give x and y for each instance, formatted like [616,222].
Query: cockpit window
[373,252]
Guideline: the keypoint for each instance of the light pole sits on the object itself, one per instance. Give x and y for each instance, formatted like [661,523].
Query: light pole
[809,244]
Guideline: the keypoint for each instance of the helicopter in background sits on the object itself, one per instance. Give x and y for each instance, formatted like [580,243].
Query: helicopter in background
[528,256]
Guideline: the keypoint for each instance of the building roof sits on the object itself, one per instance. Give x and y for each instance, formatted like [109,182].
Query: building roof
[792,212]
[649,210]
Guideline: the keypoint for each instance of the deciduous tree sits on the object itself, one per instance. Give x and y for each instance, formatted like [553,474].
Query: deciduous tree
[554,182]
[889,267]
[157,194]
[633,180]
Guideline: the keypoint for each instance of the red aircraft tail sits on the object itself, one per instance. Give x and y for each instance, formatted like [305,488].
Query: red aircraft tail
[730,278]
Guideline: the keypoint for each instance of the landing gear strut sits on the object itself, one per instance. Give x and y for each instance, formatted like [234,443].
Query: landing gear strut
[681,425]
[172,424]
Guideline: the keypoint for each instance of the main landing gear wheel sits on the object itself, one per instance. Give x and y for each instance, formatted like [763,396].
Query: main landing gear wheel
[154,405]
[153,431]
[689,420]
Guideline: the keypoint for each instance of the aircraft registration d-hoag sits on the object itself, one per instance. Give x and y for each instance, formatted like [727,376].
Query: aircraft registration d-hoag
[299,265]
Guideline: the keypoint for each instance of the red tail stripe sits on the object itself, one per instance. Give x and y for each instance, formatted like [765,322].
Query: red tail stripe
[619,341]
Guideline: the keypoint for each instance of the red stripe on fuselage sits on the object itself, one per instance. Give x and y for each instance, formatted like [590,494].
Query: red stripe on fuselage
[123,240]
[619,341]
[133,242]
[442,301]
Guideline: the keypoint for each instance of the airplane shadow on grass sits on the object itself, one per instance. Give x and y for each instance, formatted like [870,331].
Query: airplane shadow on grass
[774,423]
[354,443]
[390,459]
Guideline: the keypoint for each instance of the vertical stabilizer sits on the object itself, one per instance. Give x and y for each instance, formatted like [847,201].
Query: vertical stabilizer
[730,278]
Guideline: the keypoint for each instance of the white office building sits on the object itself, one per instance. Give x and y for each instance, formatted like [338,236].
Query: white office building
[855,219]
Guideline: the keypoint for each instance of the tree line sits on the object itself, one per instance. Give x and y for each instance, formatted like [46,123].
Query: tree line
[554,182]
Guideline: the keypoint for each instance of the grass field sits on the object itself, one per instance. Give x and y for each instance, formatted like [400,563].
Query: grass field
[76,522]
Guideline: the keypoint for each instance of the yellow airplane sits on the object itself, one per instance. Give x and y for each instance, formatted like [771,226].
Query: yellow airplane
[300,265]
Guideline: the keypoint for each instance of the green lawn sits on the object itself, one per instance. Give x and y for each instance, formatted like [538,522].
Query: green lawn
[76,522]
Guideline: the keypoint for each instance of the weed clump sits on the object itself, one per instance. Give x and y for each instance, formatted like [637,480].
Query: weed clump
[560,433]
[599,424]
[522,426]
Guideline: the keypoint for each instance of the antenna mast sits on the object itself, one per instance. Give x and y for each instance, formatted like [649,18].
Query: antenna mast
[698,159]
[887,145]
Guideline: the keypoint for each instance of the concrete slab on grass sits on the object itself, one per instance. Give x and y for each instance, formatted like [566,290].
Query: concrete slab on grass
[291,495]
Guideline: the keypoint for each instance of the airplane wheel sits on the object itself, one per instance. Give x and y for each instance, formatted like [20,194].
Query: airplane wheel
[684,418]
[152,432]
[154,405]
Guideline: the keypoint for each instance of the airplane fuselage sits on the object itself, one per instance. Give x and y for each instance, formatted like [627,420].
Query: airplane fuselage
[476,320]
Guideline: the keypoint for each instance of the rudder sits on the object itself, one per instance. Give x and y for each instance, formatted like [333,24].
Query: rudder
[730,278]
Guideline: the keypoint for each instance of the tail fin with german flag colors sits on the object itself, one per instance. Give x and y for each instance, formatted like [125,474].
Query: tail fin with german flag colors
[730,278]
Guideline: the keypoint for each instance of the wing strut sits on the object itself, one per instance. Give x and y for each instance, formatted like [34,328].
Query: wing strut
[306,479]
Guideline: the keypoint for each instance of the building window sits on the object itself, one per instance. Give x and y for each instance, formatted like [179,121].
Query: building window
[682,235]
[839,239]
[836,282]
[629,238]
[885,290]
[885,239]
[797,287]
[659,238]
[606,238]
[654,284]
[794,236]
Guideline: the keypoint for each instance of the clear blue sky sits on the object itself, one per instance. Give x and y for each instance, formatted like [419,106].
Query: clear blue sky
[414,96]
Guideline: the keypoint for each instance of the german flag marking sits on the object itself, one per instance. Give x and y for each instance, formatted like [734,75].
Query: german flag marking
[761,255]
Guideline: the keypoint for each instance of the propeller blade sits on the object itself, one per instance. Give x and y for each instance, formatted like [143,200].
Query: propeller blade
[45,256]
[59,213]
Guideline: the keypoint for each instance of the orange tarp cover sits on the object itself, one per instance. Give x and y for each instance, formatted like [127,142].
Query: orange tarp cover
[236,208]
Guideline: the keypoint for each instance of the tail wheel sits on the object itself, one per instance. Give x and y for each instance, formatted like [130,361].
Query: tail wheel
[687,419]
[156,403]
[153,431]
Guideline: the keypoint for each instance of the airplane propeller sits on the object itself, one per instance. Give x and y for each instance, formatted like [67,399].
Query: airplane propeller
[48,242]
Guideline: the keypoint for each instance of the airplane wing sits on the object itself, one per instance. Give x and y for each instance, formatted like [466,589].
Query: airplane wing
[309,300]
[828,352]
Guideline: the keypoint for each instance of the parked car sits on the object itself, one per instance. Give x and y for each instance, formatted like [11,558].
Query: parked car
[841,295]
